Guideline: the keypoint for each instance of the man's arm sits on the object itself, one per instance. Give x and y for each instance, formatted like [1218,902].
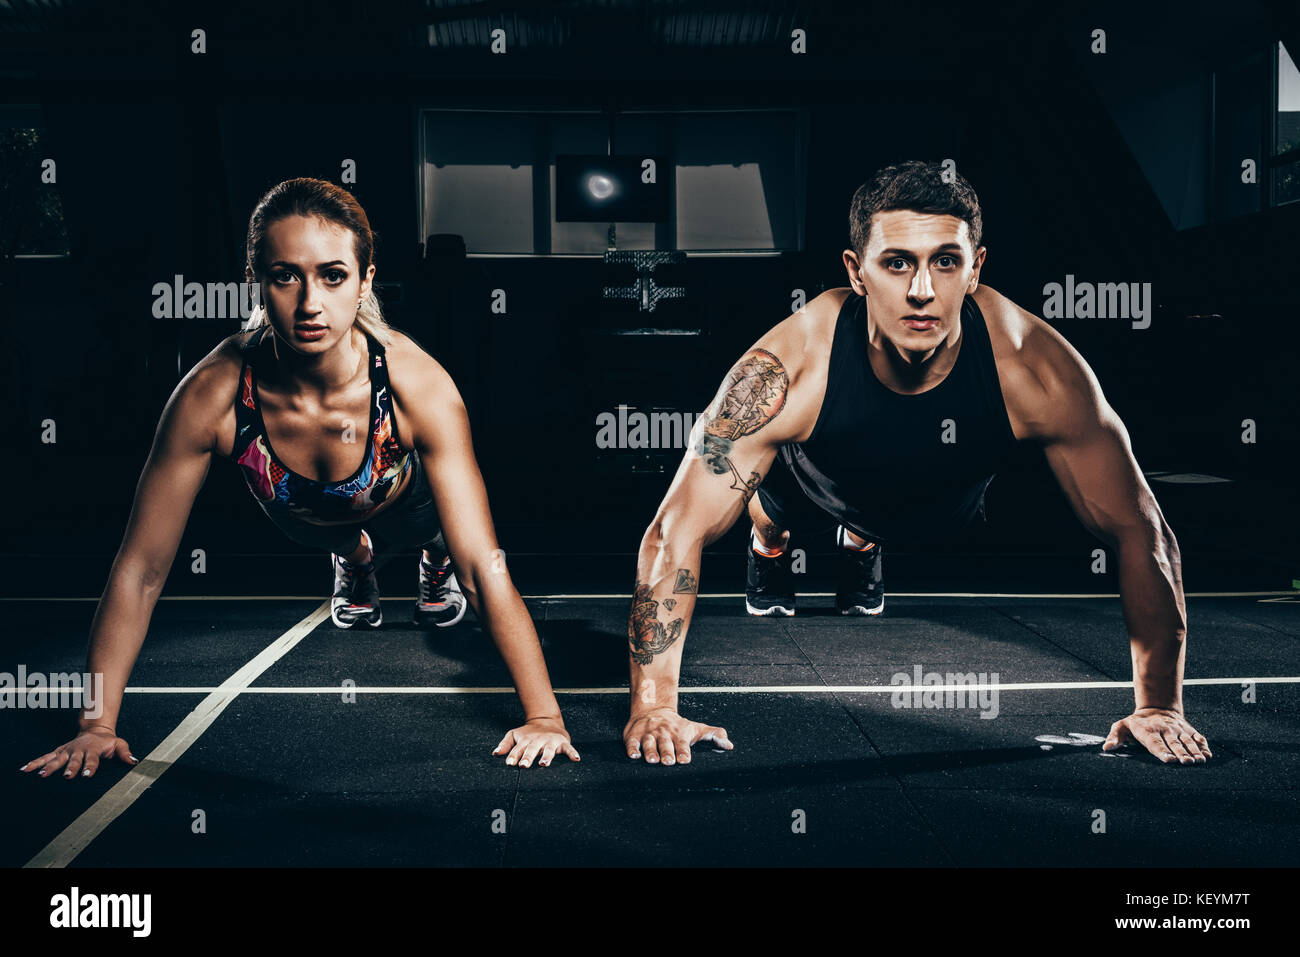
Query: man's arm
[1087,448]
[731,449]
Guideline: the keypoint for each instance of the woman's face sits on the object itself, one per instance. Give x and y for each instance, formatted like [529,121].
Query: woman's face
[312,285]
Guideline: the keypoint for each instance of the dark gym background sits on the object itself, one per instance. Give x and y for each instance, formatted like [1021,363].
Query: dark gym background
[1122,167]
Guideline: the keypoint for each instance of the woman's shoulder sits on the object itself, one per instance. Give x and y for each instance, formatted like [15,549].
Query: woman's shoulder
[411,367]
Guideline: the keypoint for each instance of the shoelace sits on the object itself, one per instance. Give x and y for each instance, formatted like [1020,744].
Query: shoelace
[433,580]
[349,573]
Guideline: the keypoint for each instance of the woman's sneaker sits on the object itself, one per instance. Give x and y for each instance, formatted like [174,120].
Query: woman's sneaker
[769,584]
[441,602]
[356,594]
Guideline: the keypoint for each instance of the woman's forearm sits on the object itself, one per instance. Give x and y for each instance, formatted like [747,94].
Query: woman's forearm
[116,636]
[505,618]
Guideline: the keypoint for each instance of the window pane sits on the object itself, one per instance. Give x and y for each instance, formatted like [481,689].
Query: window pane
[1288,103]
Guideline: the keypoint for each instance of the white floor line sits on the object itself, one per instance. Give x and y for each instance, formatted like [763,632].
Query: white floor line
[77,835]
[815,594]
[713,689]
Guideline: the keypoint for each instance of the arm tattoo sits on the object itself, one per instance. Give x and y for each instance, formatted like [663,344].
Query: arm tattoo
[685,584]
[646,634]
[753,396]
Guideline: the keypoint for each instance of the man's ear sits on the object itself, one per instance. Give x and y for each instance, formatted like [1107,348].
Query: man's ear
[854,269]
[975,270]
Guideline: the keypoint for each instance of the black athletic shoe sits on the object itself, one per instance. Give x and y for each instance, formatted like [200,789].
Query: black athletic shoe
[441,602]
[769,585]
[356,595]
[861,590]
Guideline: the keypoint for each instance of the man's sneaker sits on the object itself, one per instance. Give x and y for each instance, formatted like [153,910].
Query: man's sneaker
[861,590]
[769,584]
[441,602]
[356,595]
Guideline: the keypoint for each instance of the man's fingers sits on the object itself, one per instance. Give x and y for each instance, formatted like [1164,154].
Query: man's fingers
[1189,742]
[667,753]
[1176,748]
[1119,735]
[717,737]
[648,749]
[1155,743]
[682,748]
[633,747]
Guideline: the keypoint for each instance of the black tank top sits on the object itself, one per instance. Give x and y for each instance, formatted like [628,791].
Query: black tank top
[888,465]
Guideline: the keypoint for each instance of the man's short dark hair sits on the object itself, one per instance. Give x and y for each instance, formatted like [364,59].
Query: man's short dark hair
[917,186]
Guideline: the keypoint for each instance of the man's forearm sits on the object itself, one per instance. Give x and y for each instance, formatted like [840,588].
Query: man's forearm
[667,582]
[1151,589]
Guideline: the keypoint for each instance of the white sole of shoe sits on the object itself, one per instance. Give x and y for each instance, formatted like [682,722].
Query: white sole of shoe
[349,625]
[776,611]
[860,611]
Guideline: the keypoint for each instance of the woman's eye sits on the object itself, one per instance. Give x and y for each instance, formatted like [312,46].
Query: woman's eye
[335,276]
[282,277]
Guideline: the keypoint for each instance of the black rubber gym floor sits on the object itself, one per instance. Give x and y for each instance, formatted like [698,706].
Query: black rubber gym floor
[823,773]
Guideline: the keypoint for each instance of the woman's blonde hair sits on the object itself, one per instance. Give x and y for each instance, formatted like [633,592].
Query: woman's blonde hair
[317,197]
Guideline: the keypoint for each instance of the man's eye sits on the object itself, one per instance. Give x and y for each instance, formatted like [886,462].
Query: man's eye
[898,264]
[946,261]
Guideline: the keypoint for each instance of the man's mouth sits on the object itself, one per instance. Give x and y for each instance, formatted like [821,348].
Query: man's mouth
[920,323]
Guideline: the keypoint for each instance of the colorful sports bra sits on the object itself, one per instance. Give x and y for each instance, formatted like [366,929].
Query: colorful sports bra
[281,491]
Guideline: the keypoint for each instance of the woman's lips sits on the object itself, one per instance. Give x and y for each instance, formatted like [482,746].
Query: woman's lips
[310,331]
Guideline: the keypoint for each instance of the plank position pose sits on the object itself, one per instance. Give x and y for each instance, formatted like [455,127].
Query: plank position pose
[845,407]
[334,419]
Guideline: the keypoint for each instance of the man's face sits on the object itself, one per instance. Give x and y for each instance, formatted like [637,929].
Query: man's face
[915,271]
[312,286]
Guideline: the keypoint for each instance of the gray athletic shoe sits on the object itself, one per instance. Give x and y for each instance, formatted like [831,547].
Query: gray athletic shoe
[441,602]
[356,595]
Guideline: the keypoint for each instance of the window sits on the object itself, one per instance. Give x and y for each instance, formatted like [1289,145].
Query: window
[737,179]
[1285,159]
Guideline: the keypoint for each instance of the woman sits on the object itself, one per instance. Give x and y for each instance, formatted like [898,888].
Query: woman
[319,384]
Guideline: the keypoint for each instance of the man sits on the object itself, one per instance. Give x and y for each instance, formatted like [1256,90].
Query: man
[888,406]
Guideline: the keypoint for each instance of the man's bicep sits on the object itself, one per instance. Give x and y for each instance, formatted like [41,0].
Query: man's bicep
[731,448]
[1094,464]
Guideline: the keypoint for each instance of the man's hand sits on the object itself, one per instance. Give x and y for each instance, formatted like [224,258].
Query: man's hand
[1164,733]
[664,736]
[544,736]
[82,754]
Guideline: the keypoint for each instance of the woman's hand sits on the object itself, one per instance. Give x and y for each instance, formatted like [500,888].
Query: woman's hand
[544,736]
[83,754]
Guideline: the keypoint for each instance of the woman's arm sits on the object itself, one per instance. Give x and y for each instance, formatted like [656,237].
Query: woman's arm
[437,425]
[177,464]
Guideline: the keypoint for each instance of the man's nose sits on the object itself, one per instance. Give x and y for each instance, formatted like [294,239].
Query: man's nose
[921,289]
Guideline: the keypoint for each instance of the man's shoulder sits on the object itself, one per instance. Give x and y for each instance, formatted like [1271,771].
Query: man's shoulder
[803,339]
[1042,375]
